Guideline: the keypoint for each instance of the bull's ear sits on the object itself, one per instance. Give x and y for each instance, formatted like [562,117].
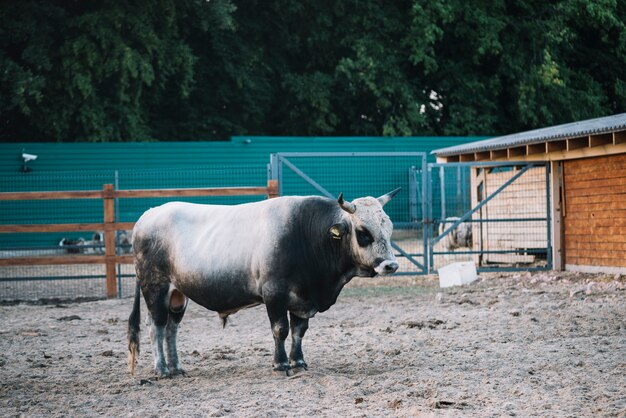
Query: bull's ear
[338,231]
[387,197]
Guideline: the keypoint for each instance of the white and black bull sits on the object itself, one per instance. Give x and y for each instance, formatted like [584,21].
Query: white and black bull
[294,254]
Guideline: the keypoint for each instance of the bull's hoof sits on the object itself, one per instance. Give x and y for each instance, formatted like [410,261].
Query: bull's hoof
[299,366]
[161,370]
[162,373]
[283,369]
[178,371]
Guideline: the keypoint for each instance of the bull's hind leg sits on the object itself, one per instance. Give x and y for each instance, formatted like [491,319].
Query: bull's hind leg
[156,301]
[177,306]
[153,274]
[298,328]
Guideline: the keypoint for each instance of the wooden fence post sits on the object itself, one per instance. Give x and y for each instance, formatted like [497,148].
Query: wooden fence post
[109,240]
[272,189]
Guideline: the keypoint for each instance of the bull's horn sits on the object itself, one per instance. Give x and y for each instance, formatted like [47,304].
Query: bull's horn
[387,197]
[347,206]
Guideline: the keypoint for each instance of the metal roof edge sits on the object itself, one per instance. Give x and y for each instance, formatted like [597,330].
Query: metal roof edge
[553,133]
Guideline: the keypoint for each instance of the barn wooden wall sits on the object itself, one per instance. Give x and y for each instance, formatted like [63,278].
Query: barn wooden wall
[595,211]
[524,198]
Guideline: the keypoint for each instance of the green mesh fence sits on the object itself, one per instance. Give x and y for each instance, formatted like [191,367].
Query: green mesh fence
[356,176]
[236,176]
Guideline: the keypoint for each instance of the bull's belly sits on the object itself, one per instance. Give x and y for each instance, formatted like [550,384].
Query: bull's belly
[220,294]
[227,295]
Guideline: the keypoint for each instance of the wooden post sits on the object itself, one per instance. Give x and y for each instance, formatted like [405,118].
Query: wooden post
[272,189]
[109,240]
[557,207]
[478,177]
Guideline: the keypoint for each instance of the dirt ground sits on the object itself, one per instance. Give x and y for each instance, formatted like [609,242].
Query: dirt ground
[545,344]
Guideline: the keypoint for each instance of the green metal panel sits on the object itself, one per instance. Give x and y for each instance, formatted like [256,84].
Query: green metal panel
[242,161]
[241,150]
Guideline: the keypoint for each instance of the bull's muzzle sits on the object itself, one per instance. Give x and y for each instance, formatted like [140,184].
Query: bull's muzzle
[386,267]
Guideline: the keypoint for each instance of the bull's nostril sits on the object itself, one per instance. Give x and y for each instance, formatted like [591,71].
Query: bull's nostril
[391,267]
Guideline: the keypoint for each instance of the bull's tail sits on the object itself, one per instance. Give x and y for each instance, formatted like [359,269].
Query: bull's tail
[133,331]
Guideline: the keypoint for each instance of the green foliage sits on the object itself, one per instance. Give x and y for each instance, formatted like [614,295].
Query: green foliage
[201,70]
[97,70]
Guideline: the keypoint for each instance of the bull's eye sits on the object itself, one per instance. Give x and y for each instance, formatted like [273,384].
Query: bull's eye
[363,237]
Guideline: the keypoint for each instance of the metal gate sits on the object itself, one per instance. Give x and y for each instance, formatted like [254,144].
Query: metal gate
[496,214]
[366,174]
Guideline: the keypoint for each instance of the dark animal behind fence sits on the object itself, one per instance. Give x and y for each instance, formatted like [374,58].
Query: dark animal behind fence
[459,237]
[95,245]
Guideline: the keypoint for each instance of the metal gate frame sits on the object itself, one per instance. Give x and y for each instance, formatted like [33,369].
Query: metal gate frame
[526,165]
[422,173]
[275,172]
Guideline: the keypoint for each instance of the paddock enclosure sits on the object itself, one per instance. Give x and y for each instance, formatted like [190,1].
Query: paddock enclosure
[520,341]
[238,162]
[507,213]
[512,344]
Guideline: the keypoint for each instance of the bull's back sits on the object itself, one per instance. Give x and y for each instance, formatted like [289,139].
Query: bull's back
[198,238]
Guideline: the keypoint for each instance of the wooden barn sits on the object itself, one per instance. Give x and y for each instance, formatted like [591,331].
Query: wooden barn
[587,161]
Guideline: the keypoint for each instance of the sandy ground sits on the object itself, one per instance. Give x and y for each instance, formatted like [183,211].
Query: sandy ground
[548,344]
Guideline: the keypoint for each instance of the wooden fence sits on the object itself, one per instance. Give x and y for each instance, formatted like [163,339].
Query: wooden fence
[110,258]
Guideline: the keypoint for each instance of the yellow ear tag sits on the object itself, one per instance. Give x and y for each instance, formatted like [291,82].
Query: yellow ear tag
[335,232]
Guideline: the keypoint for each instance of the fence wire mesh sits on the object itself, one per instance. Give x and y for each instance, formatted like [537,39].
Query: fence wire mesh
[508,227]
[507,222]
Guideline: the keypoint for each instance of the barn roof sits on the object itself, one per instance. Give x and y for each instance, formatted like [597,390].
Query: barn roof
[539,137]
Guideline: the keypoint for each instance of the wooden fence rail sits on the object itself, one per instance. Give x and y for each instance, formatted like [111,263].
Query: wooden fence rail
[110,258]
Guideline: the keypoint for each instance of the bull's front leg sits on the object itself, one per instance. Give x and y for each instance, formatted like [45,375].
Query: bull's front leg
[277,311]
[298,328]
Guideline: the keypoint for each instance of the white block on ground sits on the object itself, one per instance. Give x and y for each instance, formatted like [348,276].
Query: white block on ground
[457,274]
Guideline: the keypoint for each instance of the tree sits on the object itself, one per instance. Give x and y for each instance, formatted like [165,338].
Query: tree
[201,70]
[93,70]
[515,65]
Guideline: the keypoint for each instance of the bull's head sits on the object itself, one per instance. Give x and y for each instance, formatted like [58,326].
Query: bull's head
[369,228]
